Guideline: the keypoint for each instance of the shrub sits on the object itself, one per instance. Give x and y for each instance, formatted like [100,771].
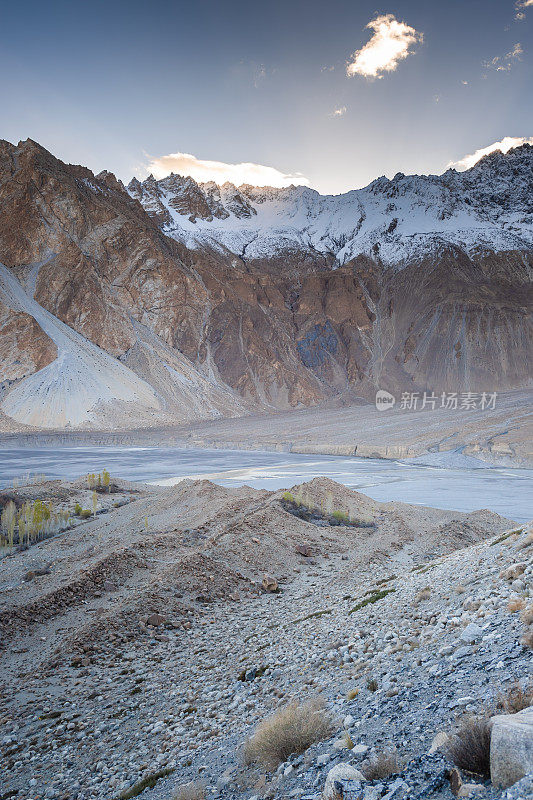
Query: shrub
[85,513]
[290,730]
[527,615]
[373,598]
[190,791]
[146,783]
[469,748]
[372,684]
[527,639]
[288,497]
[515,699]
[340,516]
[77,509]
[516,604]
[423,594]
[381,765]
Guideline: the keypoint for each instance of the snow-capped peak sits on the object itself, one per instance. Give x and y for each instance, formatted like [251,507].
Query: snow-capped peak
[398,219]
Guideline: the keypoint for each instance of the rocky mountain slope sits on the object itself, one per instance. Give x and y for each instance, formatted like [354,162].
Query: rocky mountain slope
[488,207]
[147,645]
[219,301]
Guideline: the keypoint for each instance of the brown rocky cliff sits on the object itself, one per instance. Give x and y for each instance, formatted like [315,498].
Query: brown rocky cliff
[294,329]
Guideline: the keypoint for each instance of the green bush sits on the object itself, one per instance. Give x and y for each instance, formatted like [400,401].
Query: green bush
[85,513]
[77,509]
[340,516]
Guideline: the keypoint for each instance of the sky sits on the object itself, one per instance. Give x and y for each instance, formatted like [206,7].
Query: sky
[329,94]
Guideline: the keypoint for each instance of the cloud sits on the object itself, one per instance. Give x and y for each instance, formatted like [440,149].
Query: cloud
[220,172]
[339,112]
[506,62]
[504,145]
[520,6]
[390,43]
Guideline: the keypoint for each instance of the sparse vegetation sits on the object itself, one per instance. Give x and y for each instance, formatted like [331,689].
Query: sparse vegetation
[290,730]
[516,604]
[146,783]
[469,747]
[85,513]
[301,506]
[505,536]
[372,598]
[190,791]
[381,765]
[372,684]
[31,523]
[100,482]
[423,594]
[515,699]
[527,615]
[527,639]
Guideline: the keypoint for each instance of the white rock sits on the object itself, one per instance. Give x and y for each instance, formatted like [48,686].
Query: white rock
[511,747]
[341,772]
[471,633]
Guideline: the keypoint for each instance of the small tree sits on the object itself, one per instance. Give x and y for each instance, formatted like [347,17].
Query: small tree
[95,500]
[9,517]
[106,479]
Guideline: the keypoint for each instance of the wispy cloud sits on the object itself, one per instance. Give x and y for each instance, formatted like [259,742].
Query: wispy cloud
[506,62]
[220,172]
[391,42]
[504,145]
[339,112]
[521,6]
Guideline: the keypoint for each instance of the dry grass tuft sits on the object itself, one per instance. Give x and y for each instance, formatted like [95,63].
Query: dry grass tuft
[190,791]
[516,604]
[290,730]
[527,615]
[381,765]
[527,639]
[423,594]
[515,699]
[469,748]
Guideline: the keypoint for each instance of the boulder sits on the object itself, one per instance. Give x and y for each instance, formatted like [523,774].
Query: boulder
[269,584]
[439,742]
[471,633]
[511,747]
[156,620]
[339,774]
[521,790]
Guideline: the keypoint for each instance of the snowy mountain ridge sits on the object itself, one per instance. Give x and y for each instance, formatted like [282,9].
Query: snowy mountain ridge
[489,206]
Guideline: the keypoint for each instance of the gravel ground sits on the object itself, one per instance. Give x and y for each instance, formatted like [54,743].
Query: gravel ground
[127,660]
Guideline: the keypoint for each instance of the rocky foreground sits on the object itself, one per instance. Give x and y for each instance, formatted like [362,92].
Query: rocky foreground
[142,647]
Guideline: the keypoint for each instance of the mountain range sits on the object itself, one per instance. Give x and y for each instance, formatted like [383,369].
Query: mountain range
[168,301]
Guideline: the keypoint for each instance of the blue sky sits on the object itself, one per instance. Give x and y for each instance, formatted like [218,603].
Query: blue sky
[115,85]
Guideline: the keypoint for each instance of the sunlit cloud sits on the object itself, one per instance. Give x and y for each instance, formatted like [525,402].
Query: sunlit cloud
[339,112]
[521,6]
[506,144]
[220,172]
[391,42]
[506,62]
